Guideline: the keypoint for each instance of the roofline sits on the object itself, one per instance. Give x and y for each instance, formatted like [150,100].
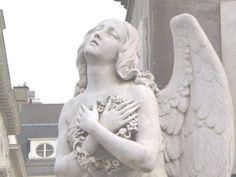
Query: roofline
[8,103]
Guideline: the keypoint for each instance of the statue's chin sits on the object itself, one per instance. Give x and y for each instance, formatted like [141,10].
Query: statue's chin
[91,51]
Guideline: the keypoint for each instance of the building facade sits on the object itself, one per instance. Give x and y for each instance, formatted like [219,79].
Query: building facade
[38,135]
[152,20]
[11,159]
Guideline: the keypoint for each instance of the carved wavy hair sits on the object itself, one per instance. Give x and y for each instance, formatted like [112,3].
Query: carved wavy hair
[127,59]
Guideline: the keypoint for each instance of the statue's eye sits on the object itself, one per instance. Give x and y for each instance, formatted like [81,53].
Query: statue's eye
[114,35]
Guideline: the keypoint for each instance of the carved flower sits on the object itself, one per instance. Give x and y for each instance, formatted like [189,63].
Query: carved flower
[122,131]
[82,138]
[129,127]
[132,127]
[119,100]
[100,108]
[77,149]
[127,135]
[133,123]
[102,102]
[115,163]
[107,164]
[79,132]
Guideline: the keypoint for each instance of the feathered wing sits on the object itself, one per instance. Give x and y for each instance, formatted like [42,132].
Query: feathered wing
[196,112]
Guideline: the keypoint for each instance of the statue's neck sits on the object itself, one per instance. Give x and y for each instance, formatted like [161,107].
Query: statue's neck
[102,77]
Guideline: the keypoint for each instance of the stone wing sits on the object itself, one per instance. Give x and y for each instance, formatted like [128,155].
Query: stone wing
[196,112]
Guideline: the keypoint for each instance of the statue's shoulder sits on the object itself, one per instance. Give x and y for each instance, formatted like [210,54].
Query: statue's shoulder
[69,107]
[142,92]
[70,103]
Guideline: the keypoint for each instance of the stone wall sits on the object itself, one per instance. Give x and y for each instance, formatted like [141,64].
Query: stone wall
[154,17]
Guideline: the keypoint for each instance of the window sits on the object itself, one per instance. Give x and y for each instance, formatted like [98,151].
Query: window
[44,150]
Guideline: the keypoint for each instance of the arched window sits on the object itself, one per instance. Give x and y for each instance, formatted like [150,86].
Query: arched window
[44,150]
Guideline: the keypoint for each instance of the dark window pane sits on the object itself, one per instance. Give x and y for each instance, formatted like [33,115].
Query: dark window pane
[40,147]
[48,153]
[40,153]
[49,147]
[40,150]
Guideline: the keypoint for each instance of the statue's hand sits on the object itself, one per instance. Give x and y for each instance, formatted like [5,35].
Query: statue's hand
[116,118]
[86,117]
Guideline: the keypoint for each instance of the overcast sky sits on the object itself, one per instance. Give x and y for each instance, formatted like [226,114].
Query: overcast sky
[42,38]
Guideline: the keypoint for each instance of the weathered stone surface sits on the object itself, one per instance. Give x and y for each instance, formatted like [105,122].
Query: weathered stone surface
[228,33]
[115,123]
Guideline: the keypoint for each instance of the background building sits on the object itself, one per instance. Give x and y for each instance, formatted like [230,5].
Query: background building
[38,135]
[152,19]
[11,159]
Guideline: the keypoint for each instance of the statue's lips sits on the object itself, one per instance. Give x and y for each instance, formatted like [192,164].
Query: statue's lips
[94,42]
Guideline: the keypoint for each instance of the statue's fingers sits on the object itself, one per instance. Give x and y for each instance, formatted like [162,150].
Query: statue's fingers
[133,116]
[77,123]
[128,107]
[130,111]
[108,105]
[123,105]
[81,108]
[79,113]
[70,131]
[84,108]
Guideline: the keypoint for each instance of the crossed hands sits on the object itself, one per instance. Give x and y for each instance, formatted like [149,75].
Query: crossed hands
[111,119]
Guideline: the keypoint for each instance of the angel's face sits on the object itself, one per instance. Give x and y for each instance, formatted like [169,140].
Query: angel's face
[105,41]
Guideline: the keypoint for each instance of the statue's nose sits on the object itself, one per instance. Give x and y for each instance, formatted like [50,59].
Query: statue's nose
[97,35]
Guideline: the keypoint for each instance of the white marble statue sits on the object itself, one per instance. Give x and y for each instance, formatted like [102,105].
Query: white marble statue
[120,125]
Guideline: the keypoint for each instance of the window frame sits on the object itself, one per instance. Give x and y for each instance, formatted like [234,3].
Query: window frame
[36,142]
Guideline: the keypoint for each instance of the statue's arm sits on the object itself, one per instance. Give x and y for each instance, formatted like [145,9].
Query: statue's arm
[140,155]
[65,164]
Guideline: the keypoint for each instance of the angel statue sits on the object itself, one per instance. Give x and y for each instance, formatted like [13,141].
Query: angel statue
[119,124]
